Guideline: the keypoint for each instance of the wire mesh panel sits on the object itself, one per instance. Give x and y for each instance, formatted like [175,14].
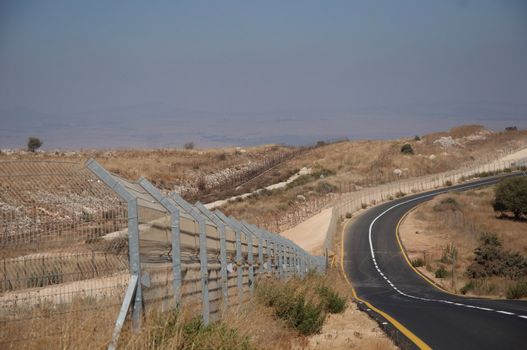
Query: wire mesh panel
[71,235]
[63,251]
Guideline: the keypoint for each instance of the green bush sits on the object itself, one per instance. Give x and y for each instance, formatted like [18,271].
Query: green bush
[418,262]
[467,287]
[299,313]
[491,260]
[302,304]
[189,145]
[194,334]
[441,272]
[305,316]
[333,303]
[291,305]
[511,196]
[407,149]
[487,257]
[307,178]
[517,290]
[33,143]
[448,183]
[215,336]
[300,181]
[447,204]
[324,187]
[349,215]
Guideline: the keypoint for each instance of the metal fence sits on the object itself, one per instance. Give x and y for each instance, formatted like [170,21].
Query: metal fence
[78,239]
[347,204]
[351,201]
[52,218]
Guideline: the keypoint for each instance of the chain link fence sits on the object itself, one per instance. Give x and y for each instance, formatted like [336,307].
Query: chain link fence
[79,244]
[54,260]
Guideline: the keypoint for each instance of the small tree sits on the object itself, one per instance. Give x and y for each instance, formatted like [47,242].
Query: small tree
[407,149]
[511,195]
[417,138]
[189,145]
[33,143]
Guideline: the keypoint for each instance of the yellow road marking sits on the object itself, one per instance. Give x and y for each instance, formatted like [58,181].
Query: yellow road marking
[414,338]
[426,278]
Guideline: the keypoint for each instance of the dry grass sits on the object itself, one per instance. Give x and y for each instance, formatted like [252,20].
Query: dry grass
[355,164]
[364,163]
[247,326]
[81,325]
[169,168]
[459,219]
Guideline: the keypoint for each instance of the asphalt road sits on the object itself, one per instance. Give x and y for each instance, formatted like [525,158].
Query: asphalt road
[379,273]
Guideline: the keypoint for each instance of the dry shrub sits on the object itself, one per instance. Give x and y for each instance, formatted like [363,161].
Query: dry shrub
[301,303]
[179,331]
[457,220]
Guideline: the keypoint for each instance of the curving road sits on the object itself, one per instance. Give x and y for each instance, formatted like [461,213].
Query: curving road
[429,317]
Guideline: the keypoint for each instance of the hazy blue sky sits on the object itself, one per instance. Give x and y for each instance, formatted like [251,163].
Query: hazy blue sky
[103,73]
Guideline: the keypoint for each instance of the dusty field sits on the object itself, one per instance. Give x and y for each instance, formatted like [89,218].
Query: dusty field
[352,329]
[459,219]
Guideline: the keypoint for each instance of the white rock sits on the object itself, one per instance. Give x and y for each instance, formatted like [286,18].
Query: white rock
[446,142]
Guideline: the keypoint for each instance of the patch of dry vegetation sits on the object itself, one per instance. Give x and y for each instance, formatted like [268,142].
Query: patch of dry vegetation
[256,324]
[173,169]
[441,236]
[356,164]
[208,175]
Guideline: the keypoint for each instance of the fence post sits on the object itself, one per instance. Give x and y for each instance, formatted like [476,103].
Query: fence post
[239,264]
[261,237]
[286,259]
[175,235]
[239,259]
[135,262]
[204,271]
[133,234]
[223,248]
[203,257]
[260,255]
[280,251]
[250,259]
[275,261]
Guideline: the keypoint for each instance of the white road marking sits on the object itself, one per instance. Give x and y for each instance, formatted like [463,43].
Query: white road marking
[413,296]
[505,312]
